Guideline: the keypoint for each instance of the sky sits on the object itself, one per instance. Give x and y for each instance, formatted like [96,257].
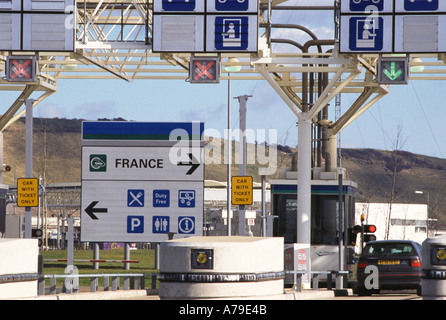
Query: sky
[416,109]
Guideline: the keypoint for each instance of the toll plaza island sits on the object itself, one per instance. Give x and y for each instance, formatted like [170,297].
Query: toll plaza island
[144,181]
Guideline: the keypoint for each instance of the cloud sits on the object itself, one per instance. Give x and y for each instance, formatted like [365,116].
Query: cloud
[96,109]
[50,110]
[208,113]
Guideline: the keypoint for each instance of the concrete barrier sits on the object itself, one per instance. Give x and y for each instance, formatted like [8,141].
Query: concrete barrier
[18,265]
[221,267]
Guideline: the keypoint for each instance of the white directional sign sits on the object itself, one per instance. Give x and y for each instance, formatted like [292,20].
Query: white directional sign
[140,211]
[393,26]
[141,182]
[142,163]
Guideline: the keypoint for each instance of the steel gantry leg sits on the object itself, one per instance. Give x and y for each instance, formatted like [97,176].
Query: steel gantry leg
[305,117]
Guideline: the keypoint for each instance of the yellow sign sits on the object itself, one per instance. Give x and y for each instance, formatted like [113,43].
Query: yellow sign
[27,192]
[242,190]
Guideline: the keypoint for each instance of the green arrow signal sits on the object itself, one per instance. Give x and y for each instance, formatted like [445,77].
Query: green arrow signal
[393,74]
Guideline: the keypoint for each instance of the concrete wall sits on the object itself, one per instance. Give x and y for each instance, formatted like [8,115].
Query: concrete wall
[231,256]
[18,256]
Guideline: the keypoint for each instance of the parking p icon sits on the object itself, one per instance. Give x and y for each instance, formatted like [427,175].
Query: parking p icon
[135,224]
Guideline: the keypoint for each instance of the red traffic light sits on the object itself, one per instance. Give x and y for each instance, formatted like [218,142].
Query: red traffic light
[21,68]
[369,228]
[204,70]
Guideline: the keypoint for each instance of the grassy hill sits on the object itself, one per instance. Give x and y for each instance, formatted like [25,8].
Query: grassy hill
[57,157]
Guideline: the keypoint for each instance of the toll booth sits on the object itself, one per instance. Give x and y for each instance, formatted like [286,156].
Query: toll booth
[324,217]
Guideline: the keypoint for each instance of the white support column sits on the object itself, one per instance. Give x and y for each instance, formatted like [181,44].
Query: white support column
[304,193]
[333,150]
[304,181]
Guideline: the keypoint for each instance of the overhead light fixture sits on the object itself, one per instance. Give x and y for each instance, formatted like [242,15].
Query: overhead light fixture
[71,64]
[233,65]
[416,68]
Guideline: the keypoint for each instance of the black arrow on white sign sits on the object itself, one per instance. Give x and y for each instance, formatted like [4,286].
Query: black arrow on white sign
[91,210]
[193,163]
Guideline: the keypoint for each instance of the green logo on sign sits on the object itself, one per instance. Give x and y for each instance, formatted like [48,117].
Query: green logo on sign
[98,162]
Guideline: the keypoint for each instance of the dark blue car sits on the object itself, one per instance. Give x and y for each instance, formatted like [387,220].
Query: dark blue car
[389,265]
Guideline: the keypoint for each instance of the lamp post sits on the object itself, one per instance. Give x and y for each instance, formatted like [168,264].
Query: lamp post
[230,68]
[427,202]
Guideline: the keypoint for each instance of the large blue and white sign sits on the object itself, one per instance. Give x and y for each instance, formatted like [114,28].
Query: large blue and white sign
[178,6]
[366,34]
[232,6]
[199,26]
[421,5]
[231,33]
[141,181]
[365,6]
[392,26]
[361,5]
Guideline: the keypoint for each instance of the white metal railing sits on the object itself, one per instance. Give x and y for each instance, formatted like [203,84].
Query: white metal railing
[298,274]
[71,282]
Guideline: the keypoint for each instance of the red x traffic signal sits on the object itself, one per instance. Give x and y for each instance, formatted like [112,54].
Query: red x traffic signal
[21,68]
[204,70]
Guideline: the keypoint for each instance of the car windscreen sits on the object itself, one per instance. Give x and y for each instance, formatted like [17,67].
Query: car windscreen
[381,249]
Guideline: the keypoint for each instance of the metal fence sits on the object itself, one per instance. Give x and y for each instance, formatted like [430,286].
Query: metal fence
[71,282]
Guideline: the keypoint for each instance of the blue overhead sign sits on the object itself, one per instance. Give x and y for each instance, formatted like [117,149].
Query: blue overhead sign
[392,26]
[178,5]
[421,5]
[231,33]
[173,32]
[366,34]
[231,5]
[361,5]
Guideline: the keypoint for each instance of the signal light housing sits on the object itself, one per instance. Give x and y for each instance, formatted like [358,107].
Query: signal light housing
[204,70]
[21,69]
[369,228]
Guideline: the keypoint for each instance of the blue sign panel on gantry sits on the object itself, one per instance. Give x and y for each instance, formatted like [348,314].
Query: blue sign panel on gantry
[231,5]
[231,33]
[366,34]
[421,5]
[361,5]
[178,5]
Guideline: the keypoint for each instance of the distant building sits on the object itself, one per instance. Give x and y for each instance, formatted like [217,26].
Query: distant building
[407,221]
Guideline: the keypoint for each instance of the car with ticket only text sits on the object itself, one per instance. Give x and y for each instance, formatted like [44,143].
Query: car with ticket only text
[389,265]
